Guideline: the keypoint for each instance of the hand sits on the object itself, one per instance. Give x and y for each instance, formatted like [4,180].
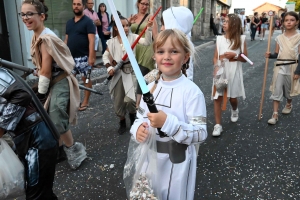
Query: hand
[267,55]
[132,18]
[142,132]
[157,120]
[114,63]
[150,23]
[229,55]
[106,33]
[296,76]
[91,61]
[111,72]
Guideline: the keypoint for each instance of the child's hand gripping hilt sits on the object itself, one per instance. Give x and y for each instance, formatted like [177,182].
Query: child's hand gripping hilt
[149,100]
[117,66]
[88,76]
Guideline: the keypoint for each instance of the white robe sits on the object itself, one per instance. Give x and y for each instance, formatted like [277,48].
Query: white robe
[117,51]
[184,104]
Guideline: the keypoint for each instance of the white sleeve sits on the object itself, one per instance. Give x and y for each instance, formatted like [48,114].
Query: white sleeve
[148,37]
[195,130]
[105,57]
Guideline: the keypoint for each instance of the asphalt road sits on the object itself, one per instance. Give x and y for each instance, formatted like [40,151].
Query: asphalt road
[250,160]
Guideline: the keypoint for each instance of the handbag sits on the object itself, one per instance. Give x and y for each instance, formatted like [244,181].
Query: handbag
[220,78]
[12,181]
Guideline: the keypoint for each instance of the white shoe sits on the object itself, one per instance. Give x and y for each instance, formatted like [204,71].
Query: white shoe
[217,130]
[260,39]
[273,120]
[287,110]
[263,38]
[234,115]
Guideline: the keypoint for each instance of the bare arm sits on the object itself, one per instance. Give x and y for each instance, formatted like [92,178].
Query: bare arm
[66,39]
[215,59]
[47,59]
[91,60]
[241,59]
[97,22]
[154,29]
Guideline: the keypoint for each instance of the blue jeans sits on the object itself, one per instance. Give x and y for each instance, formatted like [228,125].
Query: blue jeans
[253,31]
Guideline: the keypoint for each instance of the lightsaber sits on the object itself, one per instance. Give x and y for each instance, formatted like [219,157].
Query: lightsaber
[147,96]
[198,15]
[247,59]
[119,65]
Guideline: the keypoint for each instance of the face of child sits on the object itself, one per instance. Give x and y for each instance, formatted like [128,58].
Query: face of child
[32,19]
[290,22]
[226,24]
[125,25]
[170,58]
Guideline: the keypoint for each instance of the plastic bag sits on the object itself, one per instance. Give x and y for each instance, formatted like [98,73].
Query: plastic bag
[12,183]
[220,79]
[138,178]
[151,76]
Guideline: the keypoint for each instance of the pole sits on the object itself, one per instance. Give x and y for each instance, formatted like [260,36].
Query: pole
[265,73]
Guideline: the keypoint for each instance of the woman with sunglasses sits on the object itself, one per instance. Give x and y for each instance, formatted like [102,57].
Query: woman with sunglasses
[143,53]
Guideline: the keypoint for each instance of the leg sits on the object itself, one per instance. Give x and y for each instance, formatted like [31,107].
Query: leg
[217,110]
[119,105]
[234,103]
[234,111]
[85,102]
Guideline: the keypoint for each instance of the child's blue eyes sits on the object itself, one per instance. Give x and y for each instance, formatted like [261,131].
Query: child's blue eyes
[161,52]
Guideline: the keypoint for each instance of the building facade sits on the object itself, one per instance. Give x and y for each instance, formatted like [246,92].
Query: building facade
[15,38]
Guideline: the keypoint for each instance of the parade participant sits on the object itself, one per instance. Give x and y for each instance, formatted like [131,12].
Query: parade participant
[35,145]
[181,116]
[104,28]
[123,84]
[286,73]
[144,53]
[182,19]
[80,38]
[264,25]
[254,23]
[228,49]
[57,88]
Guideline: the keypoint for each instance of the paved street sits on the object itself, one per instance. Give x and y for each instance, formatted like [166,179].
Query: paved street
[250,160]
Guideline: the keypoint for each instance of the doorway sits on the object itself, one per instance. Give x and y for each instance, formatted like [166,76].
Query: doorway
[4,41]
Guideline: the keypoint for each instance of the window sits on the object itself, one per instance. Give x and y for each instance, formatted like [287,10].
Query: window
[60,11]
[185,3]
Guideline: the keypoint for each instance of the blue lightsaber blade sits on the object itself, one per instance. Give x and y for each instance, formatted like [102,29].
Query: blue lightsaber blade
[147,96]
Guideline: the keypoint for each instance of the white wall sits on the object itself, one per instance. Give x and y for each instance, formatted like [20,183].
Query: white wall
[250,5]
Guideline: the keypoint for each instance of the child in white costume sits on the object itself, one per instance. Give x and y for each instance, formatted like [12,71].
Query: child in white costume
[180,18]
[123,83]
[285,81]
[181,116]
[228,49]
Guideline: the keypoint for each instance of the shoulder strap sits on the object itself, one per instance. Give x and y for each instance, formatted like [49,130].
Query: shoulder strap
[137,29]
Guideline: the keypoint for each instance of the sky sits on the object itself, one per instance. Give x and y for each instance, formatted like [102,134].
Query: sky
[249,5]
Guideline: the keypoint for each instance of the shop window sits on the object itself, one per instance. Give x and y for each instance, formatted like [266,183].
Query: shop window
[60,11]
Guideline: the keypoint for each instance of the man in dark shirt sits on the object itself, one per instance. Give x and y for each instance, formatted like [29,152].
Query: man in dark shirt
[80,38]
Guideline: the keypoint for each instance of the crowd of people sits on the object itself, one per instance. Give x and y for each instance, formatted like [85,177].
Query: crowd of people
[169,51]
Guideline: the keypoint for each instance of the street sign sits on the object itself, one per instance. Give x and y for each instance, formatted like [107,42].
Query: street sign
[270,13]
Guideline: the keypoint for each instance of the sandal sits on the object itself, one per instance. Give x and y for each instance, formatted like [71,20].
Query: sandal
[273,120]
[82,108]
[287,109]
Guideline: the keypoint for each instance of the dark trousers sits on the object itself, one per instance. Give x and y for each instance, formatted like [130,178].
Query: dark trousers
[103,42]
[37,149]
[253,32]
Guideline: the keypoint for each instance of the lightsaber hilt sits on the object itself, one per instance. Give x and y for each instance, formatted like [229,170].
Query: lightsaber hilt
[89,89]
[247,59]
[88,76]
[117,67]
[149,100]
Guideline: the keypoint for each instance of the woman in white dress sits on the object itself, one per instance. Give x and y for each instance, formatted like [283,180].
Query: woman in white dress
[228,49]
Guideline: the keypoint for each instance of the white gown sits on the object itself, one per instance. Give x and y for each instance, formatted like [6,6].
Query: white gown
[184,104]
